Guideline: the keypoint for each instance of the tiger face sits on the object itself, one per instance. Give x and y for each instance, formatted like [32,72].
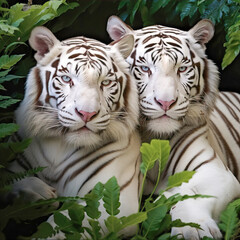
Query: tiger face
[80,89]
[176,82]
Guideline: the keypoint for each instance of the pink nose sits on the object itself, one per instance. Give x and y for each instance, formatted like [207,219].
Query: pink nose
[165,105]
[85,116]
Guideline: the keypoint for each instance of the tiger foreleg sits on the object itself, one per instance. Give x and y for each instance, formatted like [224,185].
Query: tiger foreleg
[212,179]
[31,189]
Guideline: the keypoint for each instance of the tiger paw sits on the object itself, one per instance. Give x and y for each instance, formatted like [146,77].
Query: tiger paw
[31,189]
[209,229]
[192,211]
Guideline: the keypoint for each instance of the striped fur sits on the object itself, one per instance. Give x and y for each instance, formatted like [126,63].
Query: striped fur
[81,111]
[179,101]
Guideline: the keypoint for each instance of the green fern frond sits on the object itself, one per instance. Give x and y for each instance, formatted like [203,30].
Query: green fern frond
[8,178]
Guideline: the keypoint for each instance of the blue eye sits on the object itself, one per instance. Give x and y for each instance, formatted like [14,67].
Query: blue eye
[182,69]
[145,68]
[66,78]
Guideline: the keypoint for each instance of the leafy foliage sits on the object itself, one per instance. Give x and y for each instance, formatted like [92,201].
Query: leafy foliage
[229,221]
[218,11]
[16,23]
[111,197]
[154,216]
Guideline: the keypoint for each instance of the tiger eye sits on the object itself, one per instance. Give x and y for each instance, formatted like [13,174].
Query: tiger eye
[182,69]
[66,78]
[145,68]
[106,82]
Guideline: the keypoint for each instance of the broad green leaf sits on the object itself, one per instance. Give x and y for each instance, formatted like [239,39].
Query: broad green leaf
[54,5]
[165,225]
[63,222]
[133,219]
[66,205]
[113,224]
[156,150]
[149,157]
[45,17]
[165,236]
[8,61]
[44,230]
[95,233]
[98,190]
[92,205]
[111,195]
[7,129]
[92,201]
[165,151]
[16,12]
[76,213]
[178,178]
[153,222]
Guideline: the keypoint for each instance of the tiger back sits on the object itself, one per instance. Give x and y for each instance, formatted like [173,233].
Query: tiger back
[179,100]
[81,110]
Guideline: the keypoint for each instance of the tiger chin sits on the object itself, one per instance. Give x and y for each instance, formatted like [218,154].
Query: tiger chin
[81,111]
[179,101]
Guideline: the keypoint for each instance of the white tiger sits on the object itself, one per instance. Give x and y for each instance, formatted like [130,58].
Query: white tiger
[81,110]
[179,101]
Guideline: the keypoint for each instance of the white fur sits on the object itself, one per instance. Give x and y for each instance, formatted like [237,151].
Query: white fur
[107,145]
[195,142]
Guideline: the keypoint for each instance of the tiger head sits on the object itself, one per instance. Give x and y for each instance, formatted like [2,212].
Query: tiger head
[79,89]
[176,82]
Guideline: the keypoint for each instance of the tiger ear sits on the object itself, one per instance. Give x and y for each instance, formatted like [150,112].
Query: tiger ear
[125,45]
[42,40]
[116,28]
[203,31]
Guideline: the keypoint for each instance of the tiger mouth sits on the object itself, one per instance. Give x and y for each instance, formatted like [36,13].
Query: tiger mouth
[164,116]
[83,129]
